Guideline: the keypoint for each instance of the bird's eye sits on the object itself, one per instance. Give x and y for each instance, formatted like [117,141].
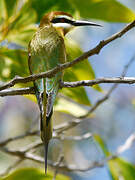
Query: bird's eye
[62,20]
[56,20]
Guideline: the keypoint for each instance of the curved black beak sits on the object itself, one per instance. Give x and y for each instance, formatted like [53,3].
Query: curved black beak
[84,23]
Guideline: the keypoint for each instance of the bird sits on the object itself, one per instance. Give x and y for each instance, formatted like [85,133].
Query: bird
[46,50]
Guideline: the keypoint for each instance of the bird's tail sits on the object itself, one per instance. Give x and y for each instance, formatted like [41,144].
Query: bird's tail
[52,86]
[45,126]
[46,135]
[46,99]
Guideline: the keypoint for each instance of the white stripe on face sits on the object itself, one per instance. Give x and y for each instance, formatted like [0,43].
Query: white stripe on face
[62,25]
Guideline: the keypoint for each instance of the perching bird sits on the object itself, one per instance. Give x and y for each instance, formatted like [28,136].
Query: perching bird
[46,51]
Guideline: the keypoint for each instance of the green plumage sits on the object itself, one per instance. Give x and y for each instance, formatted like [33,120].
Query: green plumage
[46,51]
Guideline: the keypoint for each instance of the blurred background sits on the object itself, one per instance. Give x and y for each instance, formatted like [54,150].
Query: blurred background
[113,121]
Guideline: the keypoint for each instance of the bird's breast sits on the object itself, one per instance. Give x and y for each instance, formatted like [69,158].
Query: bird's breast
[46,39]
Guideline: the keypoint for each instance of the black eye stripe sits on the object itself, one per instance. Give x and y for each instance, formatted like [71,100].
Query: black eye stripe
[62,20]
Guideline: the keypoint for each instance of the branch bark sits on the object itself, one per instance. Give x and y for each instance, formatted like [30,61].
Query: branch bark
[14,92]
[116,80]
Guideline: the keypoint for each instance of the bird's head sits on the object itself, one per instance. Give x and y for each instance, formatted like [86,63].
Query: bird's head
[63,21]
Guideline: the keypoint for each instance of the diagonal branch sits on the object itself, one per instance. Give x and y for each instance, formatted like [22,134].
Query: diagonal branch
[5,142]
[61,67]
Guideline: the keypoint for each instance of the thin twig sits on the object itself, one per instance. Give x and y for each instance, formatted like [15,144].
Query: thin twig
[70,167]
[61,158]
[39,143]
[127,145]
[14,92]
[5,142]
[118,80]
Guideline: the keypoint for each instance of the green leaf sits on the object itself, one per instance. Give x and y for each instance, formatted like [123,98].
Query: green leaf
[17,22]
[118,168]
[3,11]
[107,10]
[12,63]
[81,71]
[33,174]
[22,26]
[51,5]
[3,19]
[69,107]
[77,94]
[11,6]
[121,168]
[101,143]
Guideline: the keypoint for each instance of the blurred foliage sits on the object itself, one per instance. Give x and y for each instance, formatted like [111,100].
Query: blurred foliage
[31,174]
[102,144]
[70,107]
[121,168]
[118,168]
[108,10]
[51,5]
[18,21]
[80,71]
[12,62]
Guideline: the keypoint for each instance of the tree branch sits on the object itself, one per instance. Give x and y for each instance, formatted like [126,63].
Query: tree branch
[14,92]
[118,80]
[5,142]
[61,67]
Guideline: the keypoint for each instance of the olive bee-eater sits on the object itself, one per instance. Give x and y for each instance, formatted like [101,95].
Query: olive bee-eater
[47,50]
